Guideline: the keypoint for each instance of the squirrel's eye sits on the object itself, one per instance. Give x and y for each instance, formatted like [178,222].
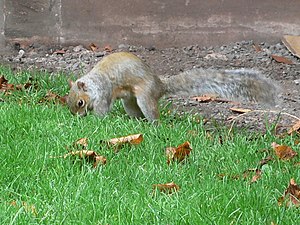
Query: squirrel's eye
[80,103]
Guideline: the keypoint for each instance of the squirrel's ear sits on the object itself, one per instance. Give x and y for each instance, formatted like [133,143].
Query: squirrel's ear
[81,85]
[70,82]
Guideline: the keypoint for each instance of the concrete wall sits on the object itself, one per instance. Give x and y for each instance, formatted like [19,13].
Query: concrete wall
[2,38]
[149,22]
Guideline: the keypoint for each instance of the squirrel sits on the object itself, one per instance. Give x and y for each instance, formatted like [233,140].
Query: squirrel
[125,76]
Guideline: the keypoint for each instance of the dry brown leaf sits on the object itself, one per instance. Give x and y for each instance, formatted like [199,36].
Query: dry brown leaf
[167,188]
[291,195]
[295,127]
[247,172]
[297,164]
[59,52]
[118,143]
[257,48]
[89,155]
[93,47]
[108,48]
[27,207]
[81,143]
[202,98]
[3,80]
[53,97]
[292,42]
[256,176]
[283,152]
[231,176]
[209,98]
[5,86]
[265,161]
[134,139]
[240,110]
[180,153]
[99,159]
[282,59]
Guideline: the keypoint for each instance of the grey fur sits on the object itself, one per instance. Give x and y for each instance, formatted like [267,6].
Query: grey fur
[240,85]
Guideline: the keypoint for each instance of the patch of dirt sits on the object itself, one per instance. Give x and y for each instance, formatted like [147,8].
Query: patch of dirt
[170,61]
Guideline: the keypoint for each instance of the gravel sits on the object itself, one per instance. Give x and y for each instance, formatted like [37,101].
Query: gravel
[169,61]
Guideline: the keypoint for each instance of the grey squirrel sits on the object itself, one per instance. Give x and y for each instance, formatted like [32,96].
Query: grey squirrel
[125,76]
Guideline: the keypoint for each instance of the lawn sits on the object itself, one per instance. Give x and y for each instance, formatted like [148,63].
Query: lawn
[39,187]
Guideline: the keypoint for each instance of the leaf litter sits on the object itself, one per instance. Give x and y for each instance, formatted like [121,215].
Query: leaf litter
[179,153]
[167,188]
[7,87]
[291,196]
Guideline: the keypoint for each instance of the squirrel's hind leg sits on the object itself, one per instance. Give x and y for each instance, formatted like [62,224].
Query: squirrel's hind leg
[131,107]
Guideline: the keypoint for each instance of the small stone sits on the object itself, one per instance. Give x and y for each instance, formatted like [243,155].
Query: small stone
[123,46]
[78,48]
[21,54]
[100,54]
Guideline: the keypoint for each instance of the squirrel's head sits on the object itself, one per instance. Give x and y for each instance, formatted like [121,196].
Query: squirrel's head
[78,99]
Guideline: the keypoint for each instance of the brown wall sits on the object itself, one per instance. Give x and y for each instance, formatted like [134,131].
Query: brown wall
[149,22]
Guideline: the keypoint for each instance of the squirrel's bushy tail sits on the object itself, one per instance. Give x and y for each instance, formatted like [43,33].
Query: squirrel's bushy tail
[239,85]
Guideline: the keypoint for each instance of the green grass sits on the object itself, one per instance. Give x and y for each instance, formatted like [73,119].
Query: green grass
[66,192]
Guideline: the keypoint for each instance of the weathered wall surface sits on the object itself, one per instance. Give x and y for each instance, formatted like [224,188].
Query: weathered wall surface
[35,19]
[149,22]
[2,38]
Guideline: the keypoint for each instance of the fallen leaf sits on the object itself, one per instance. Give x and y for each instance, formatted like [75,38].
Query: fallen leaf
[27,207]
[7,87]
[291,195]
[93,47]
[265,161]
[3,80]
[134,139]
[107,48]
[59,52]
[53,97]
[283,152]
[89,155]
[240,110]
[81,143]
[221,139]
[247,172]
[193,133]
[99,159]
[4,85]
[257,48]
[282,59]
[297,164]
[167,188]
[233,177]
[178,154]
[202,98]
[256,176]
[210,98]
[292,43]
[295,127]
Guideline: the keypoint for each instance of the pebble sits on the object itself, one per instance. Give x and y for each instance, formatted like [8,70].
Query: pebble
[78,48]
